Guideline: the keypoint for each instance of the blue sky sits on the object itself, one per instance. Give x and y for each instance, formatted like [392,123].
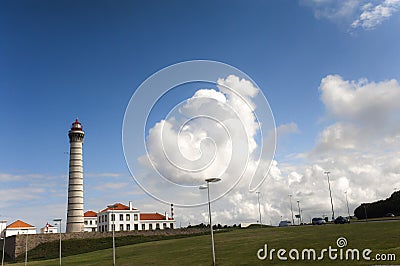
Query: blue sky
[65,59]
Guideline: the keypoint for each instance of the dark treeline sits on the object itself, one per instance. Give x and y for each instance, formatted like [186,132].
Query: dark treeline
[380,208]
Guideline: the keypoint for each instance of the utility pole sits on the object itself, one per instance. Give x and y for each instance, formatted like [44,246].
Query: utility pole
[259,208]
[291,208]
[330,194]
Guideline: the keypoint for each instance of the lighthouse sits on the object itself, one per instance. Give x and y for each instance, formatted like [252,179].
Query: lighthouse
[75,185]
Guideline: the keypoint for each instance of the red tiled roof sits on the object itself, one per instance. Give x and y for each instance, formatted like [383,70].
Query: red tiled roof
[152,216]
[19,224]
[90,214]
[118,206]
[49,225]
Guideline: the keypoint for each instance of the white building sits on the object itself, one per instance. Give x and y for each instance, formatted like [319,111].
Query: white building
[90,221]
[48,229]
[3,225]
[127,218]
[18,228]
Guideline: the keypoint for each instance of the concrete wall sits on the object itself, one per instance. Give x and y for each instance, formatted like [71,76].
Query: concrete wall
[15,245]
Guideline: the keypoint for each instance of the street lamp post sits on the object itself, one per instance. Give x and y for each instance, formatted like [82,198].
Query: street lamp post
[4,246]
[210,180]
[291,208]
[259,209]
[365,211]
[330,194]
[113,229]
[59,223]
[347,202]
[298,205]
[26,247]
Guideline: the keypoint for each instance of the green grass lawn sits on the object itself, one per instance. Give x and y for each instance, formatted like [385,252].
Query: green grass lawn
[239,247]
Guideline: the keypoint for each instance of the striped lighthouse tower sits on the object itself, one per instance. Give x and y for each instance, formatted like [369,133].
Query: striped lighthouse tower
[75,186]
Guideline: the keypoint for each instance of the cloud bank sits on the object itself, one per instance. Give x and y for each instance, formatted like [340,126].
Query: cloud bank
[364,14]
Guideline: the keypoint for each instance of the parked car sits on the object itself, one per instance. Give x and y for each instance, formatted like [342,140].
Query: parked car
[285,223]
[389,215]
[341,220]
[318,221]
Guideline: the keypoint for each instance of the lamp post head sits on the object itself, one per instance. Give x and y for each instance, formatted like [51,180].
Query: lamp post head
[203,186]
[212,179]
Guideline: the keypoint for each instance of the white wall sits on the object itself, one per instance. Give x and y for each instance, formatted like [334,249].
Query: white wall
[18,231]
[3,225]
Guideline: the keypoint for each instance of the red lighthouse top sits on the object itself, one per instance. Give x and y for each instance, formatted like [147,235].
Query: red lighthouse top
[76,125]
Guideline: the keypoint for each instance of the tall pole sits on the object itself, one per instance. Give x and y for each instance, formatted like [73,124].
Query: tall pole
[207,186]
[211,227]
[330,194]
[4,246]
[59,223]
[365,211]
[347,202]
[26,247]
[259,208]
[113,229]
[298,205]
[291,208]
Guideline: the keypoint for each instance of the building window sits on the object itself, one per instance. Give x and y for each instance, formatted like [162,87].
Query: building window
[121,217]
[93,229]
[157,226]
[143,227]
[99,219]
[128,227]
[105,227]
[128,217]
[171,225]
[164,225]
[102,219]
[121,227]
[90,222]
[150,226]
[135,217]
[85,222]
[113,217]
[105,217]
[137,227]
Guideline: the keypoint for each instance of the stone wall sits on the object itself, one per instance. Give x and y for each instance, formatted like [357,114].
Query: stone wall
[15,245]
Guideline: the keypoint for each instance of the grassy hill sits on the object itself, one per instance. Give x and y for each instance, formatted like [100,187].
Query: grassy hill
[239,247]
